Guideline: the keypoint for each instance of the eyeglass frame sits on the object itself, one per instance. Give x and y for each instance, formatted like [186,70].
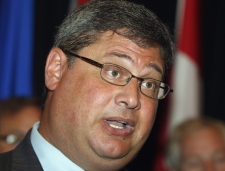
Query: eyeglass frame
[99,65]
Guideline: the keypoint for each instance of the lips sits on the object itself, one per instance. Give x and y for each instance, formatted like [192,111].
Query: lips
[119,126]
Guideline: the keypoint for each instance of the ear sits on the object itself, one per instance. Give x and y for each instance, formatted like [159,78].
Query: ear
[55,64]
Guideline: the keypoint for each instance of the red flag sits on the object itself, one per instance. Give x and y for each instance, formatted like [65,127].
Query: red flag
[75,3]
[185,102]
[80,2]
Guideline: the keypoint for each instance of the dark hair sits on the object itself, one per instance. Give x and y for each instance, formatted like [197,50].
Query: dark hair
[88,22]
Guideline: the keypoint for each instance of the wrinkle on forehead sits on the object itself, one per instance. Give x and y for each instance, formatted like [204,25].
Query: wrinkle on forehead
[114,45]
[121,55]
[149,65]
[152,65]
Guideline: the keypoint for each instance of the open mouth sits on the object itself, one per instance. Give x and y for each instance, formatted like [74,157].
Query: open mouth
[117,124]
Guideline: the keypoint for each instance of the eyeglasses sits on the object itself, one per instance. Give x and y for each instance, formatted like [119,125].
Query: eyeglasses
[13,138]
[118,75]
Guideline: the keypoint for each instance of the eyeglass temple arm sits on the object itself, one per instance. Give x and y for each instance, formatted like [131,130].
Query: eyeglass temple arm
[171,90]
[84,59]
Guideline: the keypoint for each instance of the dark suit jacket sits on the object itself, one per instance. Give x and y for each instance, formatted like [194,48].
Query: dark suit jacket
[22,158]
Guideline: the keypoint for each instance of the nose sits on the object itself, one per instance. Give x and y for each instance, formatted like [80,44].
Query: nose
[129,96]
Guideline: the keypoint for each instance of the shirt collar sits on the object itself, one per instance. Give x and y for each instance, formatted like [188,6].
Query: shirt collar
[49,156]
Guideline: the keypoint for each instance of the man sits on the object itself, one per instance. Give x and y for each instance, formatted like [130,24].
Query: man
[197,144]
[17,116]
[104,79]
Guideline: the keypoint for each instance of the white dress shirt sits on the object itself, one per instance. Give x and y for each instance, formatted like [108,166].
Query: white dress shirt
[49,156]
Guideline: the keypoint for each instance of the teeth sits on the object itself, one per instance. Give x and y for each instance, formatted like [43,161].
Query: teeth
[116,126]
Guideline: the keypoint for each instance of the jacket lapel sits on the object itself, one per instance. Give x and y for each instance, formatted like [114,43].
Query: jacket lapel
[24,157]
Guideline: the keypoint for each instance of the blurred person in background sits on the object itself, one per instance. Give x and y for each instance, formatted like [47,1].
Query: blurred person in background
[17,116]
[197,145]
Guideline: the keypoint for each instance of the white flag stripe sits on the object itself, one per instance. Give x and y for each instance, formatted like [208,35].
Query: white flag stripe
[185,80]
[187,92]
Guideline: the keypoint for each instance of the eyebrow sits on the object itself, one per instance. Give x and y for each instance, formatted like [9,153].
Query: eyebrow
[121,55]
[150,65]
[156,67]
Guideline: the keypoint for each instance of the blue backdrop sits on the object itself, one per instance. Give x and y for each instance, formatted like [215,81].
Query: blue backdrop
[16,47]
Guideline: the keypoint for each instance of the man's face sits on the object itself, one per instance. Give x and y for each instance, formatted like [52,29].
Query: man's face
[203,150]
[87,112]
[16,126]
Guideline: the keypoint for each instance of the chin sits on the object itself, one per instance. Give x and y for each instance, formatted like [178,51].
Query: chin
[114,150]
[112,165]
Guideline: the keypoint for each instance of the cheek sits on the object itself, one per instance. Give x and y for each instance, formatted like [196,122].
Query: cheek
[96,91]
[86,95]
[146,119]
[149,109]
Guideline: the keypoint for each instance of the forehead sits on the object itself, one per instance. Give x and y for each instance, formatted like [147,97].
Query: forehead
[111,47]
[193,144]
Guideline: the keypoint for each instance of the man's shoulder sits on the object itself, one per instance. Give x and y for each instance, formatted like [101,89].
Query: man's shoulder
[24,157]
[6,161]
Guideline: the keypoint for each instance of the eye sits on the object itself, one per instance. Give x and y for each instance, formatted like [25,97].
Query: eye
[149,85]
[114,73]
